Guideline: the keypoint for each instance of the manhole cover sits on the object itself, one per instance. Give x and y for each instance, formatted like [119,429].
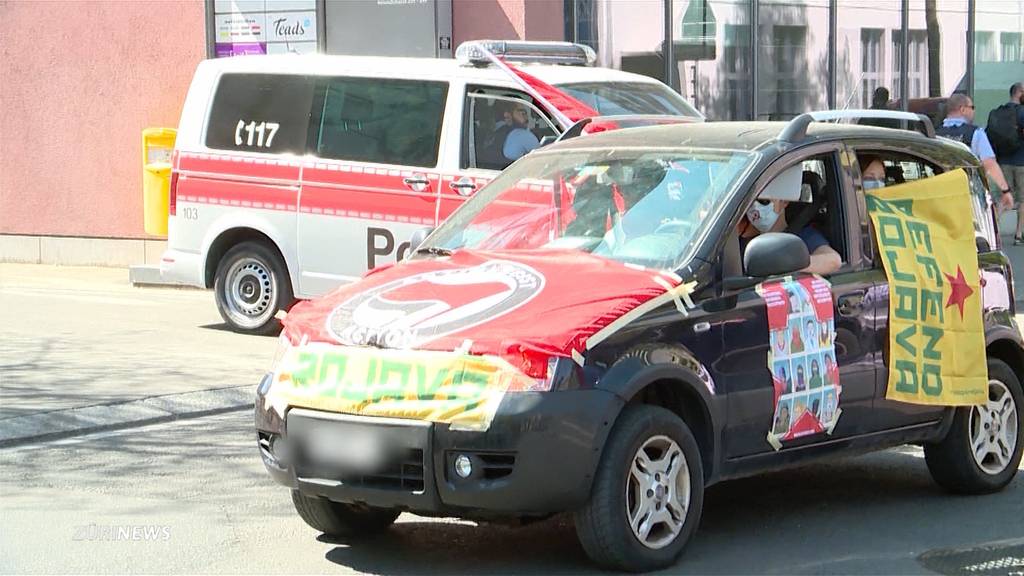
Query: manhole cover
[992,560]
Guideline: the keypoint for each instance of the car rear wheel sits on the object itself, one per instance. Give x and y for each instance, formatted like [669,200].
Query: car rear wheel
[338,519]
[251,285]
[982,450]
[648,493]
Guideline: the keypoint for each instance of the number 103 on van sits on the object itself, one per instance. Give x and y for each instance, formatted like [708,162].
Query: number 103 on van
[261,130]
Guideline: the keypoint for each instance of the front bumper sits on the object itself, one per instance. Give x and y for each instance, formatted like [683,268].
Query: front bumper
[537,457]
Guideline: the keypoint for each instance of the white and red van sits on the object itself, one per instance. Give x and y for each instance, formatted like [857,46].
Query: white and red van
[295,174]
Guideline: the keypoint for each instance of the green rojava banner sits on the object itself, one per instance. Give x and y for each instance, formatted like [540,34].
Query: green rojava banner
[925,236]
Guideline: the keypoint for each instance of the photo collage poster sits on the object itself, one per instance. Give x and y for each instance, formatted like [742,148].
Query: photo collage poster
[802,357]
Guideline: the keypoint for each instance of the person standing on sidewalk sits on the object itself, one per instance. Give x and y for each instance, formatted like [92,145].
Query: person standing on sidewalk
[958,126]
[1006,132]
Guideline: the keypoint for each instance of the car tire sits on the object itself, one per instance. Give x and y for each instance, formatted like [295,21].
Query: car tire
[251,285]
[603,525]
[982,450]
[339,519]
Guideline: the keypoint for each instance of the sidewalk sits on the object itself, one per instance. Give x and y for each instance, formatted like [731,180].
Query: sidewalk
[80,348]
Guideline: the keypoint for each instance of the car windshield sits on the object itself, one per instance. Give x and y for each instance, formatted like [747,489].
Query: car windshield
[618,98]
[641,206]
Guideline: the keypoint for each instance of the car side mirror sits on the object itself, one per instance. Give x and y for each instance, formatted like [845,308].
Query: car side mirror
[418,237]
[547,140]
[775,254]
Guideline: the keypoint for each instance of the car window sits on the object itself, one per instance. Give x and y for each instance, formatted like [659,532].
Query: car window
[616,98]
[492,138]
[260,113]
[821,207]
[382,120]
[981,206]
[900,168]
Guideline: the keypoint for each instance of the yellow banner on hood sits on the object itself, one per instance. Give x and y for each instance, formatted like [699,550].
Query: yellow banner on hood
[936,336]
[447,387]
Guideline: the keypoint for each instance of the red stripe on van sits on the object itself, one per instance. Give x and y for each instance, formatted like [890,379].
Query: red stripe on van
[247,166]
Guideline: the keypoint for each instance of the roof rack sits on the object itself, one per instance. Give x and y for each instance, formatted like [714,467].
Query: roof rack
[474,52]
[796,130]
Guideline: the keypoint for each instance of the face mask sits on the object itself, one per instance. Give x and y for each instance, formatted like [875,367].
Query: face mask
[872,184]
[762,216]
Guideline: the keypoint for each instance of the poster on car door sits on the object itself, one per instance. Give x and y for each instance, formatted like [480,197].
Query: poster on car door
[925,236]
[802,357]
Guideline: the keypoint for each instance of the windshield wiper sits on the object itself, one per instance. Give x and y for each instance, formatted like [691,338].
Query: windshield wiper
[434,250]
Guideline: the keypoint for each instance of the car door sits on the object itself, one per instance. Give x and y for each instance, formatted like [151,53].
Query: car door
[374,179]
[887,414]
[832,378]
[480,155]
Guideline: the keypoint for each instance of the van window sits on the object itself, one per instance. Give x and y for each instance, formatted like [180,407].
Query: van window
[260,113]
[615,98]
[382,120]
[488,142]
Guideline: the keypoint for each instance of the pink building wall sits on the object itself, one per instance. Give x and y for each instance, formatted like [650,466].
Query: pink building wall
[507,20]
[78,83]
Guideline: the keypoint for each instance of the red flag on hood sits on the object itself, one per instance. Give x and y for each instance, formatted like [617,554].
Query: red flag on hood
[570,107]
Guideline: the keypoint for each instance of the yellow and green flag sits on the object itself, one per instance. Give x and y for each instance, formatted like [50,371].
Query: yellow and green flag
[926,240]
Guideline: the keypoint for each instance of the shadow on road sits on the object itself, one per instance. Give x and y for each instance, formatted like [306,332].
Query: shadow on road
[836,517]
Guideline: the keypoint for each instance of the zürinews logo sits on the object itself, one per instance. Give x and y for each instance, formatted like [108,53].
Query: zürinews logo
[410,311]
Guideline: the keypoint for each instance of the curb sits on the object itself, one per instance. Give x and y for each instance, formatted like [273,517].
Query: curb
[59,424]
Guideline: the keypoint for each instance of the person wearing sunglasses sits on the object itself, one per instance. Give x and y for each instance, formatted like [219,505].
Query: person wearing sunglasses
[770,216]
[959,126]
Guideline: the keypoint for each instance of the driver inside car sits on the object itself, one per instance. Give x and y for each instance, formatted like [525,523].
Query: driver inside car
[769,215]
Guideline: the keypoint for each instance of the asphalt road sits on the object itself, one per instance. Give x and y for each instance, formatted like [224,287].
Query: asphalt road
[199,488]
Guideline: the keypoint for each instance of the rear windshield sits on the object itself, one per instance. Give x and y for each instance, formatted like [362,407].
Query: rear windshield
[618,98]
[261,113]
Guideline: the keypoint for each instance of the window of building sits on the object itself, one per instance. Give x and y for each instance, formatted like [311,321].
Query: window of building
[870,63]
[261,113]
[736,71]
[917,48]
[985,47]
[1009,44]
[382,120]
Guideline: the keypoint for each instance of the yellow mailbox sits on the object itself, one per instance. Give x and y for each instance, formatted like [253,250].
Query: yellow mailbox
[157,146]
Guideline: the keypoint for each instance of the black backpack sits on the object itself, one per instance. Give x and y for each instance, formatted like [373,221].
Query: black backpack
[1004,130]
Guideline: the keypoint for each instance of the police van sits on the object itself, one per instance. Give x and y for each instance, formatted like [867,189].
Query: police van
[295,174]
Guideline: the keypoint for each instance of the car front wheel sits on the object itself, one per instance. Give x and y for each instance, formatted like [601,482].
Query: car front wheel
[982,450]
[648,493]
[339,519]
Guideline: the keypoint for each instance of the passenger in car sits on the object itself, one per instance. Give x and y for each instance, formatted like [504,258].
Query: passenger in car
[872,171]
[770,216]
[519,139]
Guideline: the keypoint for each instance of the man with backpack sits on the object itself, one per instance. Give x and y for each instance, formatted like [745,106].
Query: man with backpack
[1006,132]
[958,126]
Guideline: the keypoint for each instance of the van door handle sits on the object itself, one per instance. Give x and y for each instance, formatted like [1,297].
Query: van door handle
[417,182]
[463,186]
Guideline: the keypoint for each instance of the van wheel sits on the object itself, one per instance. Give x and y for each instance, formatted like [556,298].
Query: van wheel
[648,493]
[251,285]
[338,519]
[982,450]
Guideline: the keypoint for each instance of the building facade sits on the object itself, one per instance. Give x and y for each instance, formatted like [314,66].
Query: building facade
[77,98]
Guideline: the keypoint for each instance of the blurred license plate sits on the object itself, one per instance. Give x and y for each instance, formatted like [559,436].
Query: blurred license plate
[352,449]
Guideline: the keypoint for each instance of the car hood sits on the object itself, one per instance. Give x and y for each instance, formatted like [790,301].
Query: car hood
[507,303]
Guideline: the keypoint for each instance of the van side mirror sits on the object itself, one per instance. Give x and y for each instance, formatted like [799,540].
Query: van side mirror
[775,254]
[418,237]
[547,140]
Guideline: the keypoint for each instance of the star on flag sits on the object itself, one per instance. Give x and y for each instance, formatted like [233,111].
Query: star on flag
[959,291]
